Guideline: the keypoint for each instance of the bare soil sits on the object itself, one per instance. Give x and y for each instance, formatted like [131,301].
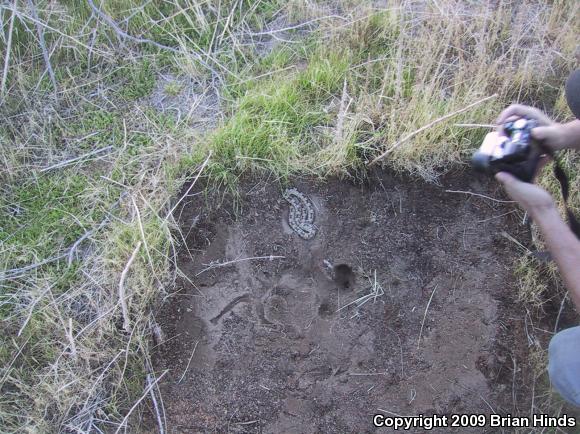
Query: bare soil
[279,346]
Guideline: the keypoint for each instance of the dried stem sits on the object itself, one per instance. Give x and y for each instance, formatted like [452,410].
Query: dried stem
[425,127]
[190,187]
[225,264]
[7,52]
[74,160]
[188,363]
[122,299]
[155,405]
[42,42]
[122,34]
[425,316]
[145,393]
[479,195]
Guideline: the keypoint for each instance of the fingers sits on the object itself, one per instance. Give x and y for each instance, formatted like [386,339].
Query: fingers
[519,110]
[512,110]
[505,178]
[514,188]
[549,135]
[541,133]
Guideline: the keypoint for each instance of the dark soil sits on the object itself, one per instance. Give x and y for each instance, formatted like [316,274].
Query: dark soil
[279,345]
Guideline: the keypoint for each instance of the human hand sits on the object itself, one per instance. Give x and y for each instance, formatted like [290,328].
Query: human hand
[532,198]
[552,134]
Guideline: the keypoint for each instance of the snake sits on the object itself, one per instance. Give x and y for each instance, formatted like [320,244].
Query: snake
[301,215]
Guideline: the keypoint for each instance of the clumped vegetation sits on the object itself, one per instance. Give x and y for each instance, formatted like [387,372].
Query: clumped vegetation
[90,167]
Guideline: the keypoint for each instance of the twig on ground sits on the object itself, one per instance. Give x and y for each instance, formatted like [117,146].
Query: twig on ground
[474,125]
[429,125]
[376,290]
[479,195]
[497,216]
[155,405]
[15,272]
[560,312]
[257,77]
[73,160]
[122,300]
[42,43]
[69,335]
[188,363]
[425,316]
[123,423]
[53,29]
[121,33]
[8,368]
[7,52]
[142,232]
[532,406]
[297,26]
[515,370]
[401,349]
[344,105]
[31,309]
[199,172]
[225,264]
[513,240]
[86,235]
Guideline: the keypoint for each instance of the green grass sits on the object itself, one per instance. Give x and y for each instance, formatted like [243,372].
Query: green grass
[173,89]
[141,80]
[270,124]
[42,216]
[287,122]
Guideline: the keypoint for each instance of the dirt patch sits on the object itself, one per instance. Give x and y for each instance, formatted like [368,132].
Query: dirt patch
[186,100]
[402,302]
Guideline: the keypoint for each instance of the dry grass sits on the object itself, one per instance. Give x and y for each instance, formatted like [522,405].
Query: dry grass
[445,56]
[89,168]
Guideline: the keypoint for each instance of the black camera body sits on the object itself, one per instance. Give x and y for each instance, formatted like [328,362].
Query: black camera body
[515,152]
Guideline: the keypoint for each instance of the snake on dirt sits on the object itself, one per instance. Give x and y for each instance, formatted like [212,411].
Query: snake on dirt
[301,215]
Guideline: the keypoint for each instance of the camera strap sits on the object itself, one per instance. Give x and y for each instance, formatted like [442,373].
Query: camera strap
[545,256]
[565,187]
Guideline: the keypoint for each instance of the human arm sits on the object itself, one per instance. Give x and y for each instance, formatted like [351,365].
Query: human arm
[561,241]
[554,135]
[565,249]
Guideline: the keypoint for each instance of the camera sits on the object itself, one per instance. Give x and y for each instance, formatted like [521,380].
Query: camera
[513,151]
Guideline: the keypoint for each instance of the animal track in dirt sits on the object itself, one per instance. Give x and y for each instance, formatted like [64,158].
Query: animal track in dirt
[318,340]
[230,306]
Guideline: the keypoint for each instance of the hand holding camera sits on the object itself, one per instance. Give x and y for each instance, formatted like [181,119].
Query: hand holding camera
[514,156]
[524,134]
[533,199]
[525,140]
[554,136]
[511,150]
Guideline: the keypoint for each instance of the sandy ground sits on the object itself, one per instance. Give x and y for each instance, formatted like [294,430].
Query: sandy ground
[279,345]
